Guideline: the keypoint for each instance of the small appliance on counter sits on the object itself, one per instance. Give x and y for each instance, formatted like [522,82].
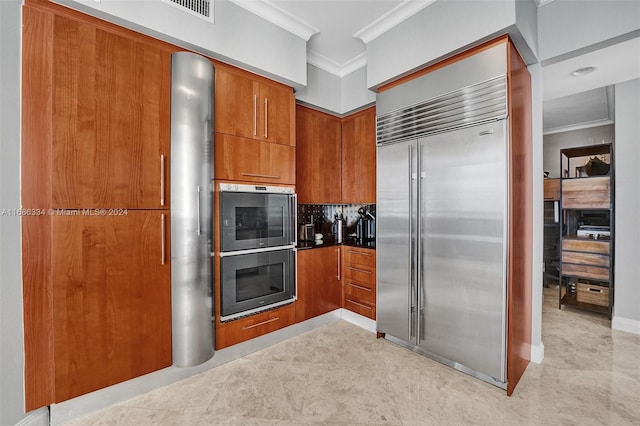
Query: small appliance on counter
[338,228]
[366,226]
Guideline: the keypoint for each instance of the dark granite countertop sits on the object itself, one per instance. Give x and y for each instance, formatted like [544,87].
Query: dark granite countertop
[329,241]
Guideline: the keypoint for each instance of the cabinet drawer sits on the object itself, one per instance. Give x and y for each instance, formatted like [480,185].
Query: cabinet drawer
[363,274]
[362,291]
[359,256]
[242,159]
[585,258]
[586,271]
[360,307]
[589,246]
[586,193]
[552,189]
[243,329]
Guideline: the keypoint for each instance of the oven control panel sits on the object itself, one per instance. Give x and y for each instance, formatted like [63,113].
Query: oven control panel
[238,187]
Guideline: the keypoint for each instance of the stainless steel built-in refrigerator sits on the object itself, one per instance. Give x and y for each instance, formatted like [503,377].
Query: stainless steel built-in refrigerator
[192,85]
[442,221]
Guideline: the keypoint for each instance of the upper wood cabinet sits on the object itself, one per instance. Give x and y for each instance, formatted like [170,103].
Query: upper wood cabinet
[359,157]
[336,158]
[250,160]
[249,106]
[110,118]
[318,157]
[111,299]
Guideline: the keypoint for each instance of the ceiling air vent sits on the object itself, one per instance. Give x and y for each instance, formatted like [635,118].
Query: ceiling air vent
[201,8]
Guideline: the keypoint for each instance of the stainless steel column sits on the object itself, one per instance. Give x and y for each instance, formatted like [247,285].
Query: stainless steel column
[192,85]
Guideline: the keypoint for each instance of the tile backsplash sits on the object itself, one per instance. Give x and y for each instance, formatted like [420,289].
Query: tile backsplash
[322,215]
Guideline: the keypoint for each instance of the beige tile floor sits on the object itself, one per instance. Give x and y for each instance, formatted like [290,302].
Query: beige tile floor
[340,374]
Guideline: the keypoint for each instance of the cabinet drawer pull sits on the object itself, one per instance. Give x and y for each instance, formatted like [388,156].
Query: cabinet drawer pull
[266,116]
[162,239]
[247,327]
[255,115]
[162,179]
[359,304]
[259,175]
[359,287]
[359,252]
[364,271]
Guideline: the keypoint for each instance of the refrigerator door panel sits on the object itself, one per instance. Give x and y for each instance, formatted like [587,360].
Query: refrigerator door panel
[462,283]
[192,79]
[396,221]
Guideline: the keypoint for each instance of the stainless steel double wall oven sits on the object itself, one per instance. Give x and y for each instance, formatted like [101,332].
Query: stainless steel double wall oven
[257,248]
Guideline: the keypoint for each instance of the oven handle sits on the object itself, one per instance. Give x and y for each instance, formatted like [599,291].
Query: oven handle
[294,225]
[258,250]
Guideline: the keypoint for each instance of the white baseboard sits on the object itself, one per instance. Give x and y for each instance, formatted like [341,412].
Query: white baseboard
[39,417]
[359,320]
[625,324]
[537,353]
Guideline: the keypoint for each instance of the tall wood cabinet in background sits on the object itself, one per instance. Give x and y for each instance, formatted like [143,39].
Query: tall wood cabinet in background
[95,168]
[336,157]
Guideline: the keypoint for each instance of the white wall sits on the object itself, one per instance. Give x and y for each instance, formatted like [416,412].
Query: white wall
[323,90]
[553,143]
[354,91]
[237,37]
[444,27]
[568,25]
[11,343]
[627,207]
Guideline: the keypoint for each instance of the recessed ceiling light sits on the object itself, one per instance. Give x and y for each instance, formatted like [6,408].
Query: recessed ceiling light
[582,71]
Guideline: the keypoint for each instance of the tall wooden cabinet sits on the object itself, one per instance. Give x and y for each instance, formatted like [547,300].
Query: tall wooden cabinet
[95,167]
[587,219]
[336,158]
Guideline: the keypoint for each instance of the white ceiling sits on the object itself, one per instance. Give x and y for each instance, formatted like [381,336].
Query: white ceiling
[337,31]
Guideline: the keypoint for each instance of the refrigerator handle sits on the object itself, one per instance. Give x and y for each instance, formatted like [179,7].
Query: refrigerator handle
[198,208]
[419,303]
[412,299]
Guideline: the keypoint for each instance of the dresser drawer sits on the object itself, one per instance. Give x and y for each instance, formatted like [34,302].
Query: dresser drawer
[359,256]
[243,329]
[360,307]
[589,246]
[361,291]
[585,271]
[363,274]
[585,258]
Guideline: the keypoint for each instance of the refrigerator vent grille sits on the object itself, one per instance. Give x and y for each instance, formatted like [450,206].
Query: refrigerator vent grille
[482,102]
[200,8]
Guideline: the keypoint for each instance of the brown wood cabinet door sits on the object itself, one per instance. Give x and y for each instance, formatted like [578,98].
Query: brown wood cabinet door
[237,100]
[276,110]
[318,152]
[111,106]
[319,282]
[250,160]
[112,299]
[359,158]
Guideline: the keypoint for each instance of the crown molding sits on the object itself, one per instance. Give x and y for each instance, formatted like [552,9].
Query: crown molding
[398,14]
[329,65]
[278,16]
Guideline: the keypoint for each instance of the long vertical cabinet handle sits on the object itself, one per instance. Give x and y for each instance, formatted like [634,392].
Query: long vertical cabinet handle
[198,208]
[419,283]
[162,161]
[338,251]
[294,225]
[163,237]
[255,115]
[412,306]
[266,116]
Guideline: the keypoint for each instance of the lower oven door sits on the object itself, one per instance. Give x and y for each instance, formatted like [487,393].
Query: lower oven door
[251,282]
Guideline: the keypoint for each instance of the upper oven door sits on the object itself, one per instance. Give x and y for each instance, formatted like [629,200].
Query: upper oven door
[251,220]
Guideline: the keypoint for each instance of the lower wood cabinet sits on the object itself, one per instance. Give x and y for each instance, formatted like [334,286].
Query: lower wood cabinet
[249,160]
[240,330]
[111,297]
[319,282]
[359,280]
